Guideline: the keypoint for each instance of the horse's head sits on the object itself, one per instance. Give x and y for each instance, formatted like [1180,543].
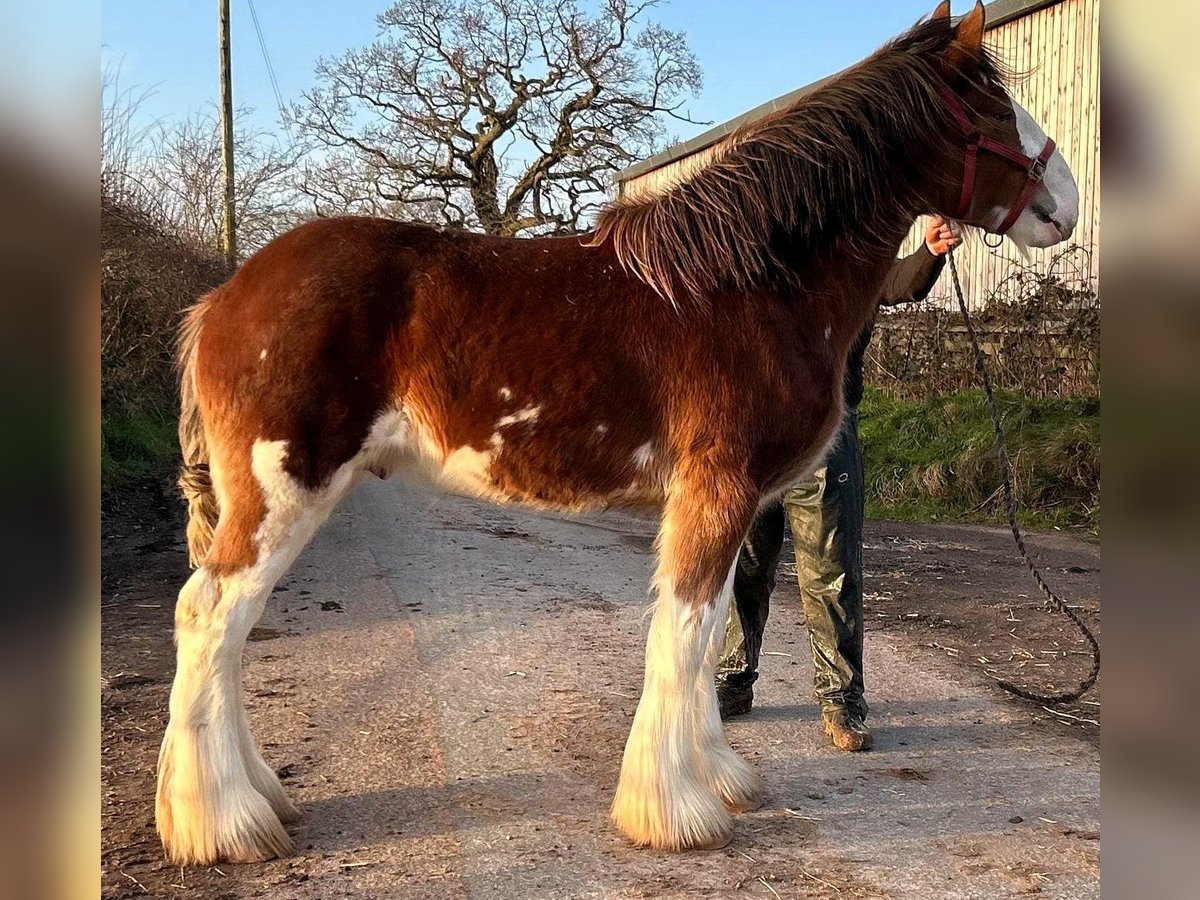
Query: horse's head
[1013,180]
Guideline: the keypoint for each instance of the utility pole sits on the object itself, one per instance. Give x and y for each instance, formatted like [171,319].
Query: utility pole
[229,230]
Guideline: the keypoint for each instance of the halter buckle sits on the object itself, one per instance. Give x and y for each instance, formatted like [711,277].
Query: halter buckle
[1037,170]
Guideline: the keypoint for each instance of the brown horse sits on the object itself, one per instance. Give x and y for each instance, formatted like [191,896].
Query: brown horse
[690,353]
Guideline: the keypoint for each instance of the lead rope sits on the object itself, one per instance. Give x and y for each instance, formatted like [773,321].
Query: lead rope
[1011,508]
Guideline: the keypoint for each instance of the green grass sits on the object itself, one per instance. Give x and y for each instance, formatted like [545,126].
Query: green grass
[137,440]
[934,460]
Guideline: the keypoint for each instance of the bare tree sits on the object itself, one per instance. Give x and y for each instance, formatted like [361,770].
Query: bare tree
[184,172]
[348,182]
[122,139]
[503,115]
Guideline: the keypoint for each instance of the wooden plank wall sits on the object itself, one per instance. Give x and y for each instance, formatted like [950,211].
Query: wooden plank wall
[1057,49]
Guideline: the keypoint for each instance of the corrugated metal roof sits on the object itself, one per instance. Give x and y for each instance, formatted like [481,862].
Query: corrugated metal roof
[999,12]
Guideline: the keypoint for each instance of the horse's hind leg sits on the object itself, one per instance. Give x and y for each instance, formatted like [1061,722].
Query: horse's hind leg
[678,774]
[217,799]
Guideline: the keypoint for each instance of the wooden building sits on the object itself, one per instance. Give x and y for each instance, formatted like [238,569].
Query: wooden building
[1055,46]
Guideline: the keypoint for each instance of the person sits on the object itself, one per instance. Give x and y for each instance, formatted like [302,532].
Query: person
[826,516]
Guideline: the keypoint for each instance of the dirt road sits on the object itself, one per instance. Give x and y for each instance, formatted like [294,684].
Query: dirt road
[446,688]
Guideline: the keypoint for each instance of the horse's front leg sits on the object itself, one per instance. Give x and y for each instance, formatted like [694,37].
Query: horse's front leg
[679,774]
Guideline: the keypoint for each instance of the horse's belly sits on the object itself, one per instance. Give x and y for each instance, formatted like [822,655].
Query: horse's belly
[518,463]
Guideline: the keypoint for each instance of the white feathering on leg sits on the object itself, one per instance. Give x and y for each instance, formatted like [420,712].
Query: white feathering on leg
[735,782]
[662,800]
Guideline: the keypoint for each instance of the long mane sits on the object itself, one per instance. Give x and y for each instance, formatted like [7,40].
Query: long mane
[779,188]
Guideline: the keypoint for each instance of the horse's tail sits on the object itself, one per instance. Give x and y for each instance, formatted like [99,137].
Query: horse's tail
[195,480]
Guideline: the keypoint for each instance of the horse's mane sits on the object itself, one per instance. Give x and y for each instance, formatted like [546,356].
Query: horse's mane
[781,184]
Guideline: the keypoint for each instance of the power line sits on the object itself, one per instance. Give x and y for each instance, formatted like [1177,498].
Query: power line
[262,44]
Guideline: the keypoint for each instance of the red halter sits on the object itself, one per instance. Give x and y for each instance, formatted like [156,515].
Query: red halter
[1034,168]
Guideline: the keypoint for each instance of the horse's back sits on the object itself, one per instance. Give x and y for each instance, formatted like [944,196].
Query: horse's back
[531,369]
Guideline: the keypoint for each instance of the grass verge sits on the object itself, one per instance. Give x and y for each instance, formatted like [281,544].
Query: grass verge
[934,459]
[137,441]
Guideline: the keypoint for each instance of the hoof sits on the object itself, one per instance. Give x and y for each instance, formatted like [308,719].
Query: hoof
[696,821]
[288,812]
[712,837]
[747,802]
[266,782]
[254,836]
[740,788]
[230,825]
[717,842]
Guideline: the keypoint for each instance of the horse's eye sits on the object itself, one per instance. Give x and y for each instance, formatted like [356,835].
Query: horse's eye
[1007,116]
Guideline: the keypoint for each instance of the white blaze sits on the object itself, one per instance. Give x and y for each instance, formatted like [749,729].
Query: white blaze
[1058,195]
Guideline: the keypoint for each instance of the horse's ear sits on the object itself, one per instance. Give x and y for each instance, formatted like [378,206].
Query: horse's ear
[942,12]
[967,44]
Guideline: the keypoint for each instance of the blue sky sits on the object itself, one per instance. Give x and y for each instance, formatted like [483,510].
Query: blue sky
[750,50]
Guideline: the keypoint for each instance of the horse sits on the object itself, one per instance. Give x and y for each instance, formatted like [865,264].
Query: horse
[689,352]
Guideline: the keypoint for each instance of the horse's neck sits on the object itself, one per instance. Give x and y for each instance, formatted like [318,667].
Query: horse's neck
[841,266]
[841,284]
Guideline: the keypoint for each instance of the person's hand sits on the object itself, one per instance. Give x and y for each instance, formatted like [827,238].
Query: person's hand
[941,237]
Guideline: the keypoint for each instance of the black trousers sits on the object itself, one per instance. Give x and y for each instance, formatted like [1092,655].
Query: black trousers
[826,516]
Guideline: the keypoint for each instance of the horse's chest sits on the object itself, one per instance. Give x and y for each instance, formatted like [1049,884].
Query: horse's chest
[800,418]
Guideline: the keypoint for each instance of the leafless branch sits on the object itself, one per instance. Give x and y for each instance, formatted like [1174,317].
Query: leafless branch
[504,115]
[181,169]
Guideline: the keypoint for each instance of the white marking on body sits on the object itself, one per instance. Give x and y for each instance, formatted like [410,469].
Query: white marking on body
[468,469]
[391,443]
[528,414]
[828,332]
[505,393]
[263,354]
[643,456]
[266,462]
[601,428]
[400,441]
